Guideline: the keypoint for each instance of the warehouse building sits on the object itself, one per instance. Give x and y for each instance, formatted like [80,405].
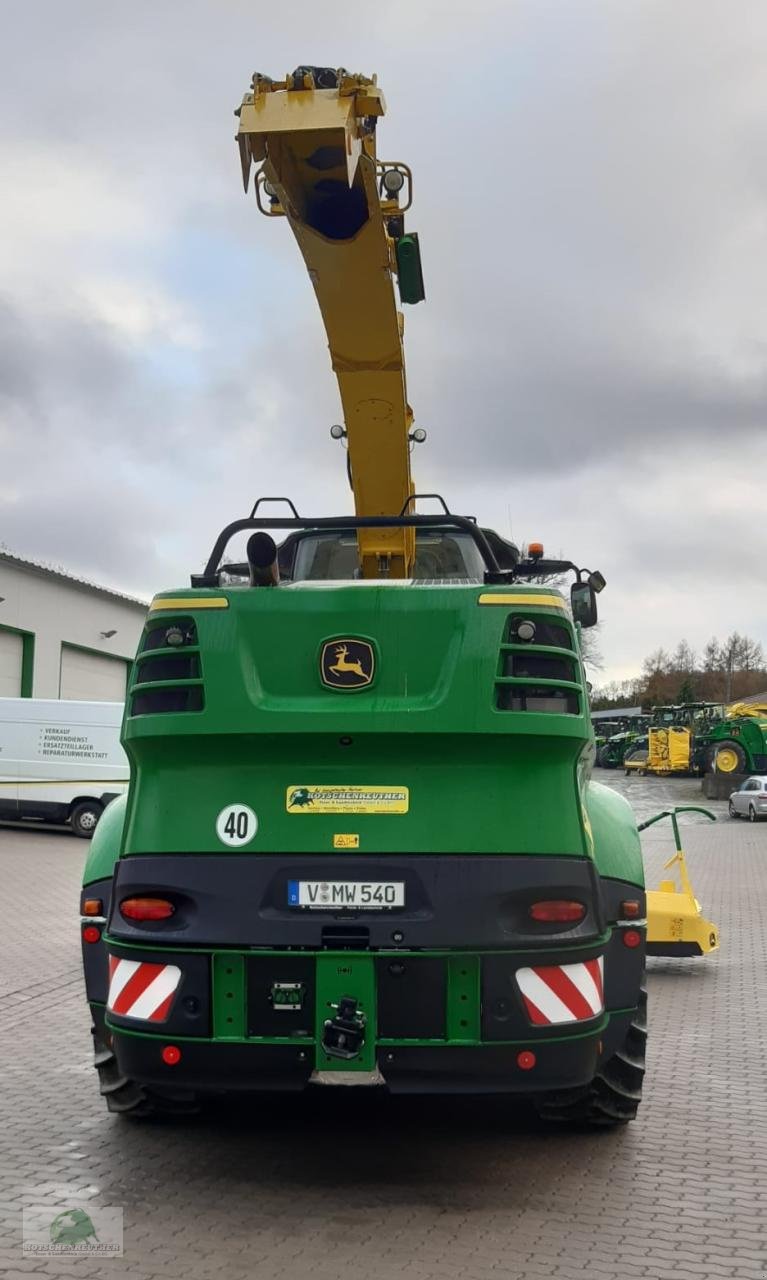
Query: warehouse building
[61,637]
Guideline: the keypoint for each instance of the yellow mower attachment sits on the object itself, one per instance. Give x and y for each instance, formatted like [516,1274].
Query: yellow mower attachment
[675,924]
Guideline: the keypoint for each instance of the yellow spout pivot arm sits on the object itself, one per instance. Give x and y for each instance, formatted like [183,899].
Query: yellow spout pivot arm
[313,136]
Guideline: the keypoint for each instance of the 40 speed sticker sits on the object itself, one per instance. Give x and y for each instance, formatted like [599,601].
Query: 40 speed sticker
[236,825]
[307,799]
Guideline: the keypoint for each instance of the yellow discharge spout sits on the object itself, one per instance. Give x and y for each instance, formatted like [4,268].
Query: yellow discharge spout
[315,148]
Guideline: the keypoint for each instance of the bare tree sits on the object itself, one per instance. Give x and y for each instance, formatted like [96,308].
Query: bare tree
[684,658]
[751,655]
[657,663]
[592,654]
[712,657]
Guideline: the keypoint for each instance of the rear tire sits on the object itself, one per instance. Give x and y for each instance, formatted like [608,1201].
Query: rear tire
[124,1097]
[751,813]
[613,1096]
[84,818]
[732,810]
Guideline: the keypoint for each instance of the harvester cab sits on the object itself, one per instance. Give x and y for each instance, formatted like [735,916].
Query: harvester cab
[676,925]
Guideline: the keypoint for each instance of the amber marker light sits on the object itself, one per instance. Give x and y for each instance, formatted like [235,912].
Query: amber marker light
[630,909]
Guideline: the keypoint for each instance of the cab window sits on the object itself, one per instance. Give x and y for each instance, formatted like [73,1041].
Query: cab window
[439,557]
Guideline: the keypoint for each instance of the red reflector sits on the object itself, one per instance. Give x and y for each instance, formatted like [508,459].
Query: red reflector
[526,1060]
[171,1055]
[91,933]
[557,911]
[632,938]
[146,908]
[630,909]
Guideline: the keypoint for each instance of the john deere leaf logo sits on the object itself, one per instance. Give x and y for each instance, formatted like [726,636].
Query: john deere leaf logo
[347,664]
[71,1227]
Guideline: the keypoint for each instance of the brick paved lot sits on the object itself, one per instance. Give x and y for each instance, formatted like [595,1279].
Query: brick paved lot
[408,1189]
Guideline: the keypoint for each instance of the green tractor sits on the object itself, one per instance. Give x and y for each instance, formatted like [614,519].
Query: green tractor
[621,739]
[611,754]
[604,729]
[361,843]
[614,750]
[732,746]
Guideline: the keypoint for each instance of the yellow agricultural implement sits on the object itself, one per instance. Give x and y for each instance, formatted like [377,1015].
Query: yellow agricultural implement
[669,750]
[675,923]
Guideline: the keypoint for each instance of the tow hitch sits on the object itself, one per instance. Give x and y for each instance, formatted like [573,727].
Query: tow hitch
[344,1034]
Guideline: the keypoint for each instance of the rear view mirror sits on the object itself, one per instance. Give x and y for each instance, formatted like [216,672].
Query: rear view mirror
[583,602]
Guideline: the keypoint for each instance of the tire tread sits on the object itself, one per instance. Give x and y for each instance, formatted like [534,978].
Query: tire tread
[612,1098]
[125,1097]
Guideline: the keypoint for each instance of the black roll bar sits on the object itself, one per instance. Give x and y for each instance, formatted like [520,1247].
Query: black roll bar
[209,578]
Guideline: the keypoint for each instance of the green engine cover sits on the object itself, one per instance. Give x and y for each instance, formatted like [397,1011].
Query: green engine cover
[369,716]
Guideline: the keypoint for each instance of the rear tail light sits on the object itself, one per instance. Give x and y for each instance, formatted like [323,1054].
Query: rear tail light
[557,911]
[146,909]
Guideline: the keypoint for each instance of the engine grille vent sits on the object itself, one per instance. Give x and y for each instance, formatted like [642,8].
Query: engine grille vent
[538,672]
[167,674]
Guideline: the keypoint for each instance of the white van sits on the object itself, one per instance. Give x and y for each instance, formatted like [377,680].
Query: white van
[60,761]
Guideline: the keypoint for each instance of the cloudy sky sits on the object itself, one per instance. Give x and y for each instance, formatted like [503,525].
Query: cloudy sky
[591,198]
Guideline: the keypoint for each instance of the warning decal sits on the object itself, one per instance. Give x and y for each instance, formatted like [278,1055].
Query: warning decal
[309,799]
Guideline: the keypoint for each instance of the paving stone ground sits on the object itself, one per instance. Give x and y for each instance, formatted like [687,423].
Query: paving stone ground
[347,1183]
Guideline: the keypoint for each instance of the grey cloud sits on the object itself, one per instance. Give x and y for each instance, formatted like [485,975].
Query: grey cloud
[589,194]
[45,362]
[537,406]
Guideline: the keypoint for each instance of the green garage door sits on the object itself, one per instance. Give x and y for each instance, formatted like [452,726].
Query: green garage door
[11,657]
[91,677]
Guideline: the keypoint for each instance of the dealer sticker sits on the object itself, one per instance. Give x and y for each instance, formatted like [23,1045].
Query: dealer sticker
[311,799]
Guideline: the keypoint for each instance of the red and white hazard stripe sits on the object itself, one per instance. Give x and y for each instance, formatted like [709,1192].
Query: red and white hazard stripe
[141,990]
[563,992]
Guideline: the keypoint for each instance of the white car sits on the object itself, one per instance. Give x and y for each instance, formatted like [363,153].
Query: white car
[750,800]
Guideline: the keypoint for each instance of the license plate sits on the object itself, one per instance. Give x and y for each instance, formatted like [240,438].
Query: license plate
[339,895]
